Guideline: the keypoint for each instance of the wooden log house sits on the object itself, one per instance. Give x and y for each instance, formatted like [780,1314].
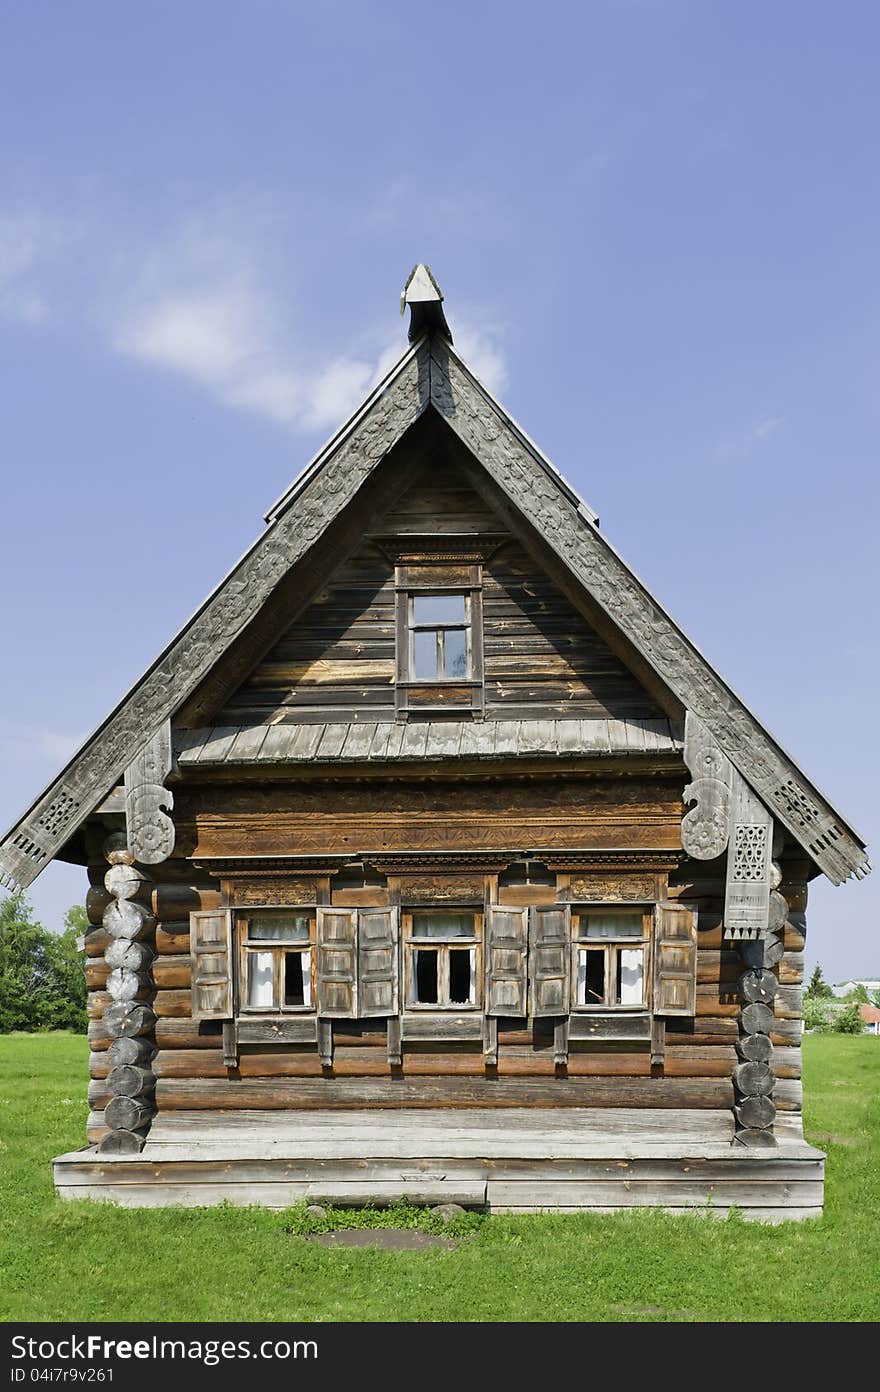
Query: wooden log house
[431,858]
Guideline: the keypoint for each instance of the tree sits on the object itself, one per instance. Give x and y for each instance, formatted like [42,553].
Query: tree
[42,982]
[818,986]
[858,995]
[848,1021]
[816,1014]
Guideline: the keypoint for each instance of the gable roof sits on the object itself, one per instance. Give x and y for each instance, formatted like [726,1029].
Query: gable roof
[430,374]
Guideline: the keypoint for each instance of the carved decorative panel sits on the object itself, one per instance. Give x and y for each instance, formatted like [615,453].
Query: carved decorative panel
[705,828]
[295,889]
[149,829]
[611,887]
[749,865]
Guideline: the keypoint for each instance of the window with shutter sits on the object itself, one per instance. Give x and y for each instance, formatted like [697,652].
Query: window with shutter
[506,947]
[550,954]
[675,959]
[337,993]
[210,937]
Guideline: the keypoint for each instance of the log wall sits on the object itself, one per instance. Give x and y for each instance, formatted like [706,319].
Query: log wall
[695,1071]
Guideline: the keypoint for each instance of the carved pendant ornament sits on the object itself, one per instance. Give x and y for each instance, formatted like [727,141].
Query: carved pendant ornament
[147,802]
[706,828]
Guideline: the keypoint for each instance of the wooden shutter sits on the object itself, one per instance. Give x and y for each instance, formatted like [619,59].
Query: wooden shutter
[675,959]
[377,961]
[210,945]
[336,993]
[550,959]
[507,945]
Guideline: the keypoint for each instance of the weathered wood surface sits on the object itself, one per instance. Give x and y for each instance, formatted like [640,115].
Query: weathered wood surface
[204,1063]
[122,1050]
[556,527]
[280,1093]
[283,749]
[127,1114]
[376,1132]
[704,1163]
[705,827]
[130,1080]
[523,1159]
[318,818]
[540,654]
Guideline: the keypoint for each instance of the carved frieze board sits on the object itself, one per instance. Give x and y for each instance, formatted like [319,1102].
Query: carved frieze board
[429,374]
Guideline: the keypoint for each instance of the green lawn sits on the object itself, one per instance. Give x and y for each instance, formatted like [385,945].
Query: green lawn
[82,1261]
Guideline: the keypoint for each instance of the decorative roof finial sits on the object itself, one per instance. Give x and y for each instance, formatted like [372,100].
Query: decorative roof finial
[425,300]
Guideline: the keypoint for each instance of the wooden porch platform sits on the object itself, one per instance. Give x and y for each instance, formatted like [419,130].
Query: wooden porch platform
[508,1161]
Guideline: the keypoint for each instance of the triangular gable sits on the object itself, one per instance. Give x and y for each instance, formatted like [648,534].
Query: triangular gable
[337,659]
[431,374]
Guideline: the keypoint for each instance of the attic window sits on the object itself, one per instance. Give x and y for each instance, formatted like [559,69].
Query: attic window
[439,638]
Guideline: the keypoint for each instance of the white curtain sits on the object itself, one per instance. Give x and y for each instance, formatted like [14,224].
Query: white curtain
[259,980]
[306,959]
[631,976]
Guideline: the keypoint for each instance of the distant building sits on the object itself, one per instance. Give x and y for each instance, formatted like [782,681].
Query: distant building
[843,988]
[870,1018]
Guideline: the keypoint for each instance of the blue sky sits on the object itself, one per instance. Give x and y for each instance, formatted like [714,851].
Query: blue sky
[656,224]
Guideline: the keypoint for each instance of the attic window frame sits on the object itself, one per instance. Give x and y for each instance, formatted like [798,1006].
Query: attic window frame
[437,576]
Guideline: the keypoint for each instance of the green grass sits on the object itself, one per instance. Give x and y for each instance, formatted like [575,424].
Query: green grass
[84,1261]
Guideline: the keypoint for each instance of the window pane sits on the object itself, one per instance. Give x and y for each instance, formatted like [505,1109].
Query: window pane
[630,976]
[259,995]
[461,976]
[443,924]
[455,652]
[279,927]
[438,609]
[426,977]
[297,978]
[591,976]
[601,924]
[425,654]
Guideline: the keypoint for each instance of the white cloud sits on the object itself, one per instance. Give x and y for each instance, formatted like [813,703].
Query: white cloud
[762,429]
[25,242]
[482,355]
[207,306]
[202,309]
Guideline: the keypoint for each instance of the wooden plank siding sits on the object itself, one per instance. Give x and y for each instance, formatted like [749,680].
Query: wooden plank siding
[336,661]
